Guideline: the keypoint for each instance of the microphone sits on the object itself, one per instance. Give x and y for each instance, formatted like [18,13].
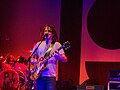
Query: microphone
[46,35]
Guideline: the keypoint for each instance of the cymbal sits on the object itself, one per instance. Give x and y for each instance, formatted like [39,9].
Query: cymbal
[27,51]
[2,58]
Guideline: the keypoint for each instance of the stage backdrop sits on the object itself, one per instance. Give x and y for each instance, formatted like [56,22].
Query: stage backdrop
[20,23]
[100,33]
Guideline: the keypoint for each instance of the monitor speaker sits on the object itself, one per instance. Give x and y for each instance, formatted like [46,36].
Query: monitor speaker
[90,87]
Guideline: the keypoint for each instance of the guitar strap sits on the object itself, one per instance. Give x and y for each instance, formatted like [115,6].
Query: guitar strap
[47,53]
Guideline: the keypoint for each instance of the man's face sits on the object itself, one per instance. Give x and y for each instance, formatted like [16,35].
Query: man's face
[48,31]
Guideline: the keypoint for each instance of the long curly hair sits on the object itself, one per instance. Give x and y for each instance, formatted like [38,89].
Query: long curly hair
[54,33]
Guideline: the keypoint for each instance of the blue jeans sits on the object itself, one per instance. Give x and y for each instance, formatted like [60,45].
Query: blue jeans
[46,83]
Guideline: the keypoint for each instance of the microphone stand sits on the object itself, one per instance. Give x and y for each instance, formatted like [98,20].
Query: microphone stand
[30,82]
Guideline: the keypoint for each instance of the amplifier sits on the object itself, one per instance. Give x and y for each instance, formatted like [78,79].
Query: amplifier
[114,75]
[114,85]
[90,87]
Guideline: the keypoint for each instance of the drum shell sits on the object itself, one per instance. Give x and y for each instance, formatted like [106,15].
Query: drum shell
[9,79]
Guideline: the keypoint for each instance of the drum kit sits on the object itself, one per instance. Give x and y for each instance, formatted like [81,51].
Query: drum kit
[13,73]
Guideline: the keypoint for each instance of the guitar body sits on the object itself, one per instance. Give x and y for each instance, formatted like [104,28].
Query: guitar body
[36,69]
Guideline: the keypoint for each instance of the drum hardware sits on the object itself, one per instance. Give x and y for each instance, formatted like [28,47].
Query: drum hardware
[29,85]
[22,80]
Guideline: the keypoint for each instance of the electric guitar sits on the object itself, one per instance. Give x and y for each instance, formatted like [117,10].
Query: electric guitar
[36,69]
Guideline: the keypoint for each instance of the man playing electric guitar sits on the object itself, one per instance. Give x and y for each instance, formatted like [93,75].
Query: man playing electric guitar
[43,63]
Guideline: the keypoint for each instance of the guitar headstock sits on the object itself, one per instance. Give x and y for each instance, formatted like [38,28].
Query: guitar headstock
[66,45]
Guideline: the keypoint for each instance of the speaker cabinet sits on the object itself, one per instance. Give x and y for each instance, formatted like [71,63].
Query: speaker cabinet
[114,85]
